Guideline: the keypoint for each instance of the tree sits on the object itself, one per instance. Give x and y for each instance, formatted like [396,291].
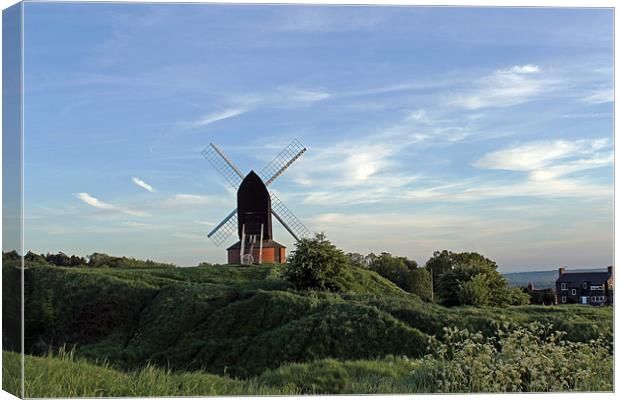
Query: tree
[32,258]
[357,260]
[443,261]
[404,273]
[475,281]
[475,292]
[392,268]
[316,264]
[370,258]
[419,283]
[438,264]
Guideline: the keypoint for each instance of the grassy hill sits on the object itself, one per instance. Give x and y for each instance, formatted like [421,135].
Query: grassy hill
[239,325]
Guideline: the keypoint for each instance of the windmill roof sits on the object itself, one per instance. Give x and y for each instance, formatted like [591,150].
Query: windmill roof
[266,243]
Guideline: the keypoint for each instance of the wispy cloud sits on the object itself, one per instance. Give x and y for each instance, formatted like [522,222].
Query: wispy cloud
[534,156]
[294,94]
[288,96]
[548,169]
[139,182]
[217,116]
[102,205]
[599,96]
[504,88]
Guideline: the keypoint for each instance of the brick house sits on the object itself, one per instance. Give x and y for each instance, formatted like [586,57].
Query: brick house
[544,296]
[594,288]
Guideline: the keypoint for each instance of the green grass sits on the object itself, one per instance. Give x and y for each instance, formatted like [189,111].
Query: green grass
[64,375]
[237,326]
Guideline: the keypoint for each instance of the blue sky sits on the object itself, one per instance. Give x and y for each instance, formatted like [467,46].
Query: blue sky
[469,129]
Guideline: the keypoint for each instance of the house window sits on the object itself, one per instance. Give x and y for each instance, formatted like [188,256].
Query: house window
[563,286]
[573,291]
[563,299]
[596,287]
[585,285]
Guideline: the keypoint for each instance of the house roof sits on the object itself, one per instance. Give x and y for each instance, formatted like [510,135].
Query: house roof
[578,277]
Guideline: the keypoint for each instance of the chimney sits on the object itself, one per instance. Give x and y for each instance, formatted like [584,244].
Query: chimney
[530,287]
[562,270]
[610,269]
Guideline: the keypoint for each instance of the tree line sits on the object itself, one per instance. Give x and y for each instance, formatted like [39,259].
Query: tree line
[448,278]
[95,260]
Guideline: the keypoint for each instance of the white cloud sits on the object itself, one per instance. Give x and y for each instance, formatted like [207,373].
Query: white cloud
[347,164]
[535,155]
[483,189]
[545,165]
[94,202]
[139,182]
[505,88]
[598,96]
[280,97]
[218,116]
[293,94]
[525,69]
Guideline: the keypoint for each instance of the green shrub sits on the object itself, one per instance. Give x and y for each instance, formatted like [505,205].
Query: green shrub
[315,264]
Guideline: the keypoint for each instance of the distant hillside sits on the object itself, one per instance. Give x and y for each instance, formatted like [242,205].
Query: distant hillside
[541,279]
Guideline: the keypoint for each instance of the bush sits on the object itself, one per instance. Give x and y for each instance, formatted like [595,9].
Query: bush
[532,358]
[315,264]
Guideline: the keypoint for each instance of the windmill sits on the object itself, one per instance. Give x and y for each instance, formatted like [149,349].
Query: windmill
[255,206]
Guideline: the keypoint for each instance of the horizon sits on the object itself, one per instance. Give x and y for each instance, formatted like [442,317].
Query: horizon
[487,130]
[420,265]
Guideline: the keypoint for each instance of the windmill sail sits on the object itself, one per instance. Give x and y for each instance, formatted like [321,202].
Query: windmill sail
[282,161]
[223,165]
[286,217]
[224,229]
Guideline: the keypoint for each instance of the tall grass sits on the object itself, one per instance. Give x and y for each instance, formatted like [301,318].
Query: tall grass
[518,359]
